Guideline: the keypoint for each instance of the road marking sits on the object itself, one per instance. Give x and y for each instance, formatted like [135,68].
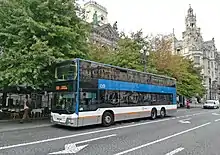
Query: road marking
[175,151]
[217,120]
[98,138]
[72,148]
[215,114]
[83,134]
[162,139]
[185,121]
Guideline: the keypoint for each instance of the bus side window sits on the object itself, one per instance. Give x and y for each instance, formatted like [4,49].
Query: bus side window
[149,79]
[129,76]
[137,77]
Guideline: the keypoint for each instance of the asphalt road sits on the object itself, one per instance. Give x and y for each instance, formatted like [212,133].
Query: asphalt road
[189,132]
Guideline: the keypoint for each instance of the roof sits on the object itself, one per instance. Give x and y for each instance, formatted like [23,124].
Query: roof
[106,31]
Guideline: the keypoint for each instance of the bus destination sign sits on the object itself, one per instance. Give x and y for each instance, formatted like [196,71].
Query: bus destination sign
[61,88]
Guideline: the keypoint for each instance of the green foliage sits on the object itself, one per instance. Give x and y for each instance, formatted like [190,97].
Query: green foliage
[160,61]
[99,53]
[189,80]
[127,55]
[34,35]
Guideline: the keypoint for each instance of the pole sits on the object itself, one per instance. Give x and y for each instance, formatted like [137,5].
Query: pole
[145,61]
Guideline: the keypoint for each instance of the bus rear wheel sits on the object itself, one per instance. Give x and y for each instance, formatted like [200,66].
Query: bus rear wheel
[153,114]
[107,119]
[162,112]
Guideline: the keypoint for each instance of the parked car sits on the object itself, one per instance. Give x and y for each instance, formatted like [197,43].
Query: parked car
[211,104]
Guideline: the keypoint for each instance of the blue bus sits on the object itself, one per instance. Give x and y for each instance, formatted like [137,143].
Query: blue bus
[87,93]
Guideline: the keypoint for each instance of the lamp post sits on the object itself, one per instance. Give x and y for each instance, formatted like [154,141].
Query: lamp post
[210,89]
[144,53]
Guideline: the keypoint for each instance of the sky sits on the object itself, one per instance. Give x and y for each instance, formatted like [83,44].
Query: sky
[161,16]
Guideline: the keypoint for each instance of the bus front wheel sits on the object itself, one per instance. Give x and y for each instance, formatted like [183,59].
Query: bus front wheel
[107,119]
[153,114]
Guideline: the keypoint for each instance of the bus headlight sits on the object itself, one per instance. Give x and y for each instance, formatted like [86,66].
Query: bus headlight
[70,120]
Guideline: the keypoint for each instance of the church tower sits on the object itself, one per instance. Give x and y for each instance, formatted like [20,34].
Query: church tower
[192,38]
[190,20]
[95,10]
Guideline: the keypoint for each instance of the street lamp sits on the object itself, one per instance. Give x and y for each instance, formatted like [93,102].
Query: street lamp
[145,53]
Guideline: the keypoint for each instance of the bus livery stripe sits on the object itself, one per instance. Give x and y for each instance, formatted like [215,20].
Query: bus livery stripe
[125,113]
[129,86]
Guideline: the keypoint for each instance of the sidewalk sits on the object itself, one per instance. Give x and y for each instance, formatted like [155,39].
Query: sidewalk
[196,105]
[16,125]
[192,106]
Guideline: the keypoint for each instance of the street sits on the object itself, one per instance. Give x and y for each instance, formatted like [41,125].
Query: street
[191,131]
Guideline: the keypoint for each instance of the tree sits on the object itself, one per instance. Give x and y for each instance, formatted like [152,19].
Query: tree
[189,80]
[160,61]
[127,55]
[34,35]
[99,53]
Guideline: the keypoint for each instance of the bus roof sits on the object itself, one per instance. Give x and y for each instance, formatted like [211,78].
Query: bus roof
[125,68]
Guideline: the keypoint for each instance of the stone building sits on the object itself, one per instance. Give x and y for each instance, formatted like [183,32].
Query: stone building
[203,53]
[102,32]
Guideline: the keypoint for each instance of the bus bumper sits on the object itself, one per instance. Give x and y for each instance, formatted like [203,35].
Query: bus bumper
[69,121]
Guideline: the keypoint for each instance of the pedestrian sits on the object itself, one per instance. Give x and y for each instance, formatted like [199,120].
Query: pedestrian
[27,104]
[187,104]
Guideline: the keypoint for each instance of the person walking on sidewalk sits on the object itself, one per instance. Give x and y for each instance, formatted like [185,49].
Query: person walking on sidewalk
[27,108]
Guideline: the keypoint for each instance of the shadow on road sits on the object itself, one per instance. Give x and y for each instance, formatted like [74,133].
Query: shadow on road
[99,126]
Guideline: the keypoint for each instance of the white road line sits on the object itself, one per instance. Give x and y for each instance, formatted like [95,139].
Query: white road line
[215,114]
[175,151]
[162,139]
[80,134]
[98,138]
[217,120]
[83,134]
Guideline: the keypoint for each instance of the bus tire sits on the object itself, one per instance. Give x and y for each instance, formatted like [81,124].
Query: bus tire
[107,119]
[162,112]
[153,114]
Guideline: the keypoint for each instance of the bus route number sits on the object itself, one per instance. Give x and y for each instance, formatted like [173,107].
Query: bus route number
[102,86]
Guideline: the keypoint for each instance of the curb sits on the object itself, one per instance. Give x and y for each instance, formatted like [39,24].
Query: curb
[17,120]
[25,128]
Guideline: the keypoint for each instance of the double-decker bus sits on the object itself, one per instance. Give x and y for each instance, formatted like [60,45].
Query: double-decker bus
[88,93]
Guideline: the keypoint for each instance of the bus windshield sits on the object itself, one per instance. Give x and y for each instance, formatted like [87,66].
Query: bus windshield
[66,71]
[64,103]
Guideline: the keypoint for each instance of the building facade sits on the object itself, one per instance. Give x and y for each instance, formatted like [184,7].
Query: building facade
[203,53]
[103,33]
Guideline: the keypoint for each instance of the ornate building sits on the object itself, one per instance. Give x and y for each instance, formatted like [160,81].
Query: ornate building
[203,53]
[102,32]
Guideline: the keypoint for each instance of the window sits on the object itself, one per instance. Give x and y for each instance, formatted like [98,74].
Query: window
[197,59]
[66,71]
[130,76]
[212,64]
[88,100]
[109,98]
[93,71]
[64,103]
[85,71]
